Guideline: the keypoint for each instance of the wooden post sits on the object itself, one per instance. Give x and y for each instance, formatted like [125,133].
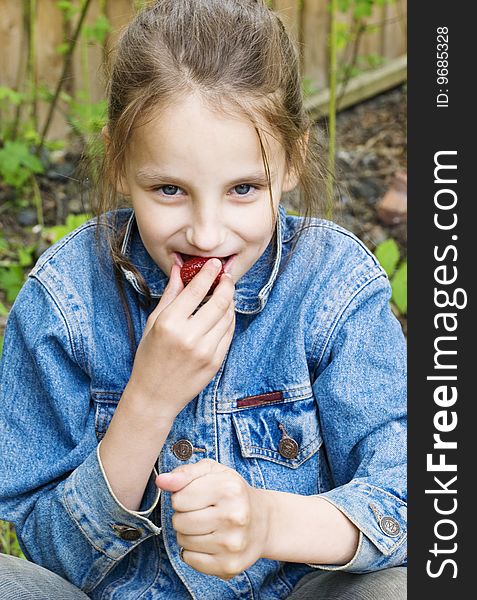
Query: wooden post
[289,12]
[315,25]
[49,61]
[12,46]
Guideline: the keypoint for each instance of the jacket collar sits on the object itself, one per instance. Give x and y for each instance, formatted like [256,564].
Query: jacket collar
[252,289]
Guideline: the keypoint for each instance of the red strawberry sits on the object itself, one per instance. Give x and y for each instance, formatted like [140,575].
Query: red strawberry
[193,265]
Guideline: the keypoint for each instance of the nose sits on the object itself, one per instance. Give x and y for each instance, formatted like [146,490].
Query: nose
[206,230]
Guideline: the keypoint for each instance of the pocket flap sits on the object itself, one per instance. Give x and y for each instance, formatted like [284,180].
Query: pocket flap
[287,433]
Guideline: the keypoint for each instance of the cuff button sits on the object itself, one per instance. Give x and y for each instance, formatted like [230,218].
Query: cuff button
[127,533]
[390,526]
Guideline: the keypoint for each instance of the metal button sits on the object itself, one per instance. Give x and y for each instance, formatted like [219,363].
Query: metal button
[288,447]
[390,526]
[183,449]
[125,532]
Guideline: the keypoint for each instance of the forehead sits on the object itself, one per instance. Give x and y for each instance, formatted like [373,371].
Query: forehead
[190,132]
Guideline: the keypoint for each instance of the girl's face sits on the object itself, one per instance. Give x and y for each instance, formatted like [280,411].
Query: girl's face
[199,188]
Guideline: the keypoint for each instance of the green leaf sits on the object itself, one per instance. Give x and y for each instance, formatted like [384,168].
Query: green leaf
[53,234]
[68,8]
[74,221]
[17,164]
[25,256]
[387,253]
[1,344]
[3,310]
[10,95]
[344,5]
[399,287]
[62,48]
[11,281]
[98,30]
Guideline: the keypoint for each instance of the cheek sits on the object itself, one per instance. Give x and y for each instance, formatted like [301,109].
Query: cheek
[153,236]
[260,223]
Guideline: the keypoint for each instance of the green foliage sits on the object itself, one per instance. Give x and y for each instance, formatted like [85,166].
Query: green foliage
[10,96]
[3,313]
[17,163]
[98,31]
[361,8]
[69,8]
[11,281]
[14,261]
[388,255]
[87,118]
[309,87]
[53,234]
[8,540]
[399,287]
[361,11]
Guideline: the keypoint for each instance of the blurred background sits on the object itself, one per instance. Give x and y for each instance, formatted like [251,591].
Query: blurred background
[54,56]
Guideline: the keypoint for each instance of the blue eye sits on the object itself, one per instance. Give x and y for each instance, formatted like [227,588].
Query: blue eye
[242,189]
[169,190]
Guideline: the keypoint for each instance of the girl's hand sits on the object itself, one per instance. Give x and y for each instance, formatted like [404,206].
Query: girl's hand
[180,352]
[220,520]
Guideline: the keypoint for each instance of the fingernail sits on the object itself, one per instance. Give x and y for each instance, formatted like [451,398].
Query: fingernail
[213,264]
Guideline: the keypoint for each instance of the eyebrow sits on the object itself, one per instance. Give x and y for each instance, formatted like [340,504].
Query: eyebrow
[151,175]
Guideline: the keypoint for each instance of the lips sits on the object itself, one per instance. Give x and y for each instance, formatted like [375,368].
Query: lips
[180,258]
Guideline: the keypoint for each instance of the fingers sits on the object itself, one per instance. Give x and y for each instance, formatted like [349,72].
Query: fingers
[198,522]
[210,565]
[182,476]
[196,495]
[197,289]
[197,543]
[226,339]
[218,311]
[173,288]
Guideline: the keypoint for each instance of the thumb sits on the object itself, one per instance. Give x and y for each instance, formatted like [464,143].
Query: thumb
[173,481]
[183,475]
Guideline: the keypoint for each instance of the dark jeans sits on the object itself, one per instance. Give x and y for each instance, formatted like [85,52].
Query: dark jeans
[23,580]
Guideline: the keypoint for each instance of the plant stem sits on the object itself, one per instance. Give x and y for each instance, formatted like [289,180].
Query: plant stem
[38,201]
[359,28]
[32,66]
[61,80]
[332,111]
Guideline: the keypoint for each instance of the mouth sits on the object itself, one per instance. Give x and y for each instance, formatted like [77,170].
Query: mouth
[180,258]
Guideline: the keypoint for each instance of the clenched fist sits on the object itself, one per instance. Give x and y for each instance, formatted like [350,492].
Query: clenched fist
[219,518]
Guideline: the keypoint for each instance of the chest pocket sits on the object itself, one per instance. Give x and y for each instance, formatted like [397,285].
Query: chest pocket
[279,444]
[105,404]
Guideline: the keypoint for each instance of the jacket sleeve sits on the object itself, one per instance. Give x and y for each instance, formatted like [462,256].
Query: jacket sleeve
[52,485]
[360,389]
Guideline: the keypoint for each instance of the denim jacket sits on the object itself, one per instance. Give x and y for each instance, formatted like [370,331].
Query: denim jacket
[317,359]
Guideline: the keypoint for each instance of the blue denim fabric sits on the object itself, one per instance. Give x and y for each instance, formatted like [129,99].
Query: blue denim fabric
[314,330]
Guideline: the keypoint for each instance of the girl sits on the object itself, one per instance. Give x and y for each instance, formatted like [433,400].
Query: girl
[169,441]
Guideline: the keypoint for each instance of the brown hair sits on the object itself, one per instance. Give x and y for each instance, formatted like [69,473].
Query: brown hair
[238,56]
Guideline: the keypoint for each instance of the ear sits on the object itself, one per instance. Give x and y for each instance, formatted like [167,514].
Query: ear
[291,181]
[120,185]
[292,176]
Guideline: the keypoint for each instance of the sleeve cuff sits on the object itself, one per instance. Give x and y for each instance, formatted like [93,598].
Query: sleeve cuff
[151,494]
[381,519]
[108,525]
